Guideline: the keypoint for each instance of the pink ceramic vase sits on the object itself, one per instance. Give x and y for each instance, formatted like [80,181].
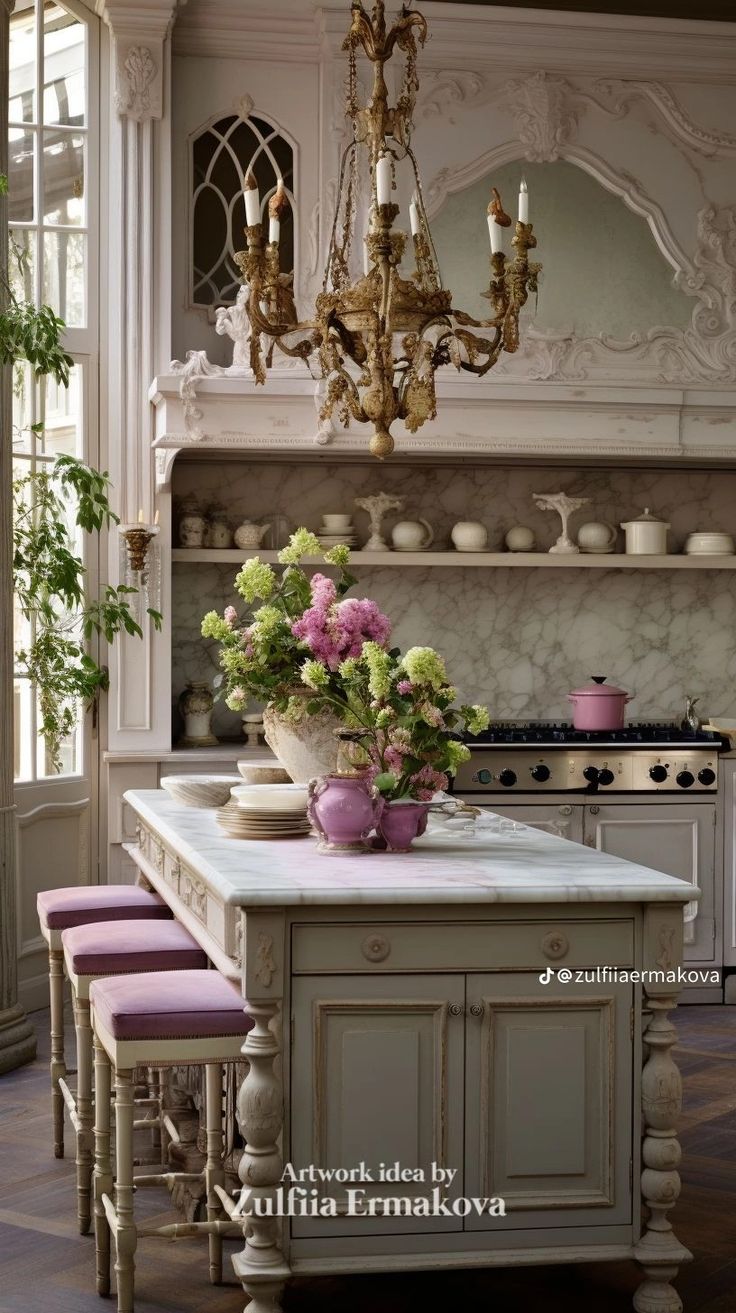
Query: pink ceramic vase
[344,809]
[401,823]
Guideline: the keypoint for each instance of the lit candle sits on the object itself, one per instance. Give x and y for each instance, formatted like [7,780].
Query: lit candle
[140,516]
[155,518]
[252,200]
[523,202]
[276,207]
[414,218]
[383,180]
[495,232]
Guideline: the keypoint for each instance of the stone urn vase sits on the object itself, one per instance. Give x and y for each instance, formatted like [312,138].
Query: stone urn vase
[401,823]
[306,745]
[195,704]
[344,809]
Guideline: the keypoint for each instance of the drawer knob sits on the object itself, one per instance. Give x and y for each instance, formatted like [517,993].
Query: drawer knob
[476,1009]
[456,1009]
[375,948]
[555,945]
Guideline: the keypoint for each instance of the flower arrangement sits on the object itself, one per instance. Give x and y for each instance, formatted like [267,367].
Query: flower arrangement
[399,709]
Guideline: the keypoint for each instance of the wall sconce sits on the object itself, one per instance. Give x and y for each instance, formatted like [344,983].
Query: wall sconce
[140,565]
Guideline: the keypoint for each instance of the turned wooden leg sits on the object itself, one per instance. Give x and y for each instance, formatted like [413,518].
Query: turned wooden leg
[102,1176]
[658,1251]
[126,1237]
[260,1264]
[84,1111]
[214,1173]
[164,1139]
[58,1065]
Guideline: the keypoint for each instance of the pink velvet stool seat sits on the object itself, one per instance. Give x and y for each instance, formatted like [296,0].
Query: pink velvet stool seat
[58,909]
[107,948]
[158,1018]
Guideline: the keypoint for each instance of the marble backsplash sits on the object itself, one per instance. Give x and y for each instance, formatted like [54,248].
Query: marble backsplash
[515,639]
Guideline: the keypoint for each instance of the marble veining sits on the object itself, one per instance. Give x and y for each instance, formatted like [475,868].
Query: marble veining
[528,866]
[517,640]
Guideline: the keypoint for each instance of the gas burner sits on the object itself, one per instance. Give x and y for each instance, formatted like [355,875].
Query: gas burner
[559,733]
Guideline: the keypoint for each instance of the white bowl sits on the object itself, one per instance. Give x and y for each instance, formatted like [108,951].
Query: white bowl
[262,772]
[199,790]
[711,544]
[271,797]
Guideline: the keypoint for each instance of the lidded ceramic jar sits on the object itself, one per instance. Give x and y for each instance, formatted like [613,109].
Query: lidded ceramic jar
[218,532]
[192,524]
[646,535]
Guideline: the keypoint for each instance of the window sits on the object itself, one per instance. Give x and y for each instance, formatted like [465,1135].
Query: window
[52,261]
[221,154]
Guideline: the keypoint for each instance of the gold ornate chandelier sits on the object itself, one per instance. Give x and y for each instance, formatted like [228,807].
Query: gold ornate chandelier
[378,339]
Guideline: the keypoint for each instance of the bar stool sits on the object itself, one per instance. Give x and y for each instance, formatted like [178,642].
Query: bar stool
[112,948]
[161,1018]
[79,905]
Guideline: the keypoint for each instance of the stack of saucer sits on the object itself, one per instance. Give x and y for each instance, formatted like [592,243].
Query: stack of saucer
[265,811]
[709,544]
[337,529]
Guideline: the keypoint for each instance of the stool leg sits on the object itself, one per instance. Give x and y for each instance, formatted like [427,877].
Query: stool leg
[214,1173]
[102,1178]
[84,1111]
[58,1065]
[126,1237]
[163,1091]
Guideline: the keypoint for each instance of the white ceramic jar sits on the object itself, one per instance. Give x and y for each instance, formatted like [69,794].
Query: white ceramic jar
[192,525]
[596,536]
[469,536]
[520,539]
[646,535]
[412,535]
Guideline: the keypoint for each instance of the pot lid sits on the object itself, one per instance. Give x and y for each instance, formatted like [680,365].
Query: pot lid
[598,688]
[645,518]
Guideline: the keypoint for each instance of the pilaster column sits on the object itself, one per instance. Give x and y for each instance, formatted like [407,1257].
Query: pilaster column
[17,1037]
[137,234]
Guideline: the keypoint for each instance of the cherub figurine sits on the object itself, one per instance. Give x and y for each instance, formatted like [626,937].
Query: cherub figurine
[232,321]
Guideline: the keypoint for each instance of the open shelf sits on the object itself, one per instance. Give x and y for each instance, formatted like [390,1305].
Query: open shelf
[495,560]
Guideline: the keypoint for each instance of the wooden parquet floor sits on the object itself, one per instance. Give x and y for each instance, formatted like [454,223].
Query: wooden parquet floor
[46,1267]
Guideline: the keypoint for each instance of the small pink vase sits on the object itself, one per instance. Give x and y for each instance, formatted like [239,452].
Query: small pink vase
[401,823]
[344,809]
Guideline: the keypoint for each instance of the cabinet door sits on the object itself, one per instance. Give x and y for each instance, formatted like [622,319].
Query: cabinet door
[563,819]
[677,838]
[377,1079]
[549,1104]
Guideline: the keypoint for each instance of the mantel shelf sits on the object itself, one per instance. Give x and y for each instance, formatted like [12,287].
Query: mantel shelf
[496,560]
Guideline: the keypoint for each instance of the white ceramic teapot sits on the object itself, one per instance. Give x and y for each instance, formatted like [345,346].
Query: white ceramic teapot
[469,536]
[248,534]
[412,535]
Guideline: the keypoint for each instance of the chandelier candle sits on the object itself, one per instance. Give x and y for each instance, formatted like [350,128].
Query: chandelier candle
[379,341]
[277,205]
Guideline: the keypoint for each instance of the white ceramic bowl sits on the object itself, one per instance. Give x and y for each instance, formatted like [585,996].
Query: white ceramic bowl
[199,790]
[711,544]
[262,772]
[271,797]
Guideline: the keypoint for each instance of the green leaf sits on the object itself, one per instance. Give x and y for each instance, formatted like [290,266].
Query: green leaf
[385,782]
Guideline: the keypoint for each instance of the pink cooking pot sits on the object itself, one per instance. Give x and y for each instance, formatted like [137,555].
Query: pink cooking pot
[598,706]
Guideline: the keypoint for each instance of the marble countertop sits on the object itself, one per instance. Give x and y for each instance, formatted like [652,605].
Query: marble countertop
[522,865]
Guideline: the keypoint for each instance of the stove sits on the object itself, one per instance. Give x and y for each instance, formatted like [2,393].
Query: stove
[553,757]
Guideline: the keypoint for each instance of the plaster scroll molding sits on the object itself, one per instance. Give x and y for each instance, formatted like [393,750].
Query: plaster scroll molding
[198,366]
[618,95]
[164,460]
[544,110]
[442,91]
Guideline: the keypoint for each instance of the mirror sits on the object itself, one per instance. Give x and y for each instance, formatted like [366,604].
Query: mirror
[603,272]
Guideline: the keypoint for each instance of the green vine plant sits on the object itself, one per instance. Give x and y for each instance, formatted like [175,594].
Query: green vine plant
[50,579]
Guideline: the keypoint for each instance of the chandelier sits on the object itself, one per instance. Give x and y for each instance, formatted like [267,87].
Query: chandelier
[377,340]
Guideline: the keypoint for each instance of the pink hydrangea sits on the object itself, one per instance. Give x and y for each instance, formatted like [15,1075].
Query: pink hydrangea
[231,616]
[336,630]
[405,686]
[427,782]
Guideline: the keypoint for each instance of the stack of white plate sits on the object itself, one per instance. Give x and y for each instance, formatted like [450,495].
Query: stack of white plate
[265,811]
[327,540]
[709,544]
[336,529]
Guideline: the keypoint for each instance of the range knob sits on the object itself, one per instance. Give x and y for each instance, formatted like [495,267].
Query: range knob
[507,778]
[658,774]
[591,774]
[606,776]
[484,777]
[685,779]
[540,773]
[706,775]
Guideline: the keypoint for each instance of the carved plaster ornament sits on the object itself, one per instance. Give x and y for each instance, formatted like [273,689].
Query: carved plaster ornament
[619,94]
[136,74]
[545,114]
[265,964]
[377,506]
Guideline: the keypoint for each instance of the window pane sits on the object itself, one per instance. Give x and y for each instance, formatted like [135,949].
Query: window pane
[21,143]
[63,275]
[22,400]
[22,264]
[70,752]
[23,62]
[23,736]
[63,67]
[63,177]
[62,434]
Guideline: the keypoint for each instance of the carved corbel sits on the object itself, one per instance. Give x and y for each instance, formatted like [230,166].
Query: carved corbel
[138,55]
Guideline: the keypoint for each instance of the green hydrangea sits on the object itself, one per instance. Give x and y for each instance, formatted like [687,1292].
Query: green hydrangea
[256,579]
[237,699]
[314,675]
[268,620]
[349,668]
[213,626]
[339,555]
[301,543]
[457,753]
[379,665]
[384,717]
[424,666]
[477,718]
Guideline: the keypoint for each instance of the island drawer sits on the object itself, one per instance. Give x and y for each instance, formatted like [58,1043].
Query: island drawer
[461,946]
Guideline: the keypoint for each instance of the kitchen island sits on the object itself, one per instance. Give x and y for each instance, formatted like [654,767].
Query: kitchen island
[465,1010]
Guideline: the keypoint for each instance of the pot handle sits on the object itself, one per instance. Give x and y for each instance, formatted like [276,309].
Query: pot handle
[430,533]
[315,789]
[629,696]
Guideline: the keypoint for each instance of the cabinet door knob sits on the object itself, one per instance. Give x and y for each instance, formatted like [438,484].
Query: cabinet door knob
[456,1009]
[477,1009]
[594,809]
[565,809]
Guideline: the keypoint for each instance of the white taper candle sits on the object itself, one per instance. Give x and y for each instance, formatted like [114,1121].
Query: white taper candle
[383,180]
[523,202]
